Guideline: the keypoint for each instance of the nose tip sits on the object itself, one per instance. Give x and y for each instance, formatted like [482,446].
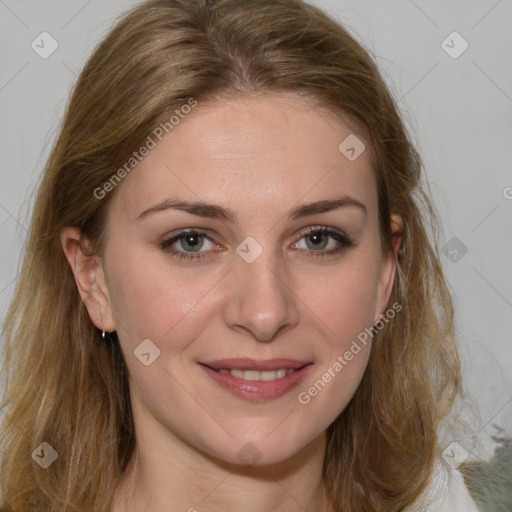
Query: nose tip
[260,301]
[268,335]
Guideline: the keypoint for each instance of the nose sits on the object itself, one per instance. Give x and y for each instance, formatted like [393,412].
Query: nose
[261,300]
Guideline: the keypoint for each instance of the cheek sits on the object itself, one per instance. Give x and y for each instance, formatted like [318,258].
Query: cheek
[151,298]
[344,300]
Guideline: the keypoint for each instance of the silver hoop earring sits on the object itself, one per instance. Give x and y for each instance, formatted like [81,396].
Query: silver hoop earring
[103,334]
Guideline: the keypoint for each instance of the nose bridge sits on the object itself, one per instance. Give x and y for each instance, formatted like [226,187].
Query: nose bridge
[261,300]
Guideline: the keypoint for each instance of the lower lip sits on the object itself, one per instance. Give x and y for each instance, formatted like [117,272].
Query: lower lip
[258,390]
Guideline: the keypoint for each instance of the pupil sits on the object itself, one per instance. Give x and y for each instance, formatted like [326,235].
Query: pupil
[317,239]
[192,241]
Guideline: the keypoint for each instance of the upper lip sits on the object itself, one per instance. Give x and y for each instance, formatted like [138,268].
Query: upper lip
[243,363]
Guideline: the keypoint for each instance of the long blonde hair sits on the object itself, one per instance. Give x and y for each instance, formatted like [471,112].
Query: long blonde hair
[65,386]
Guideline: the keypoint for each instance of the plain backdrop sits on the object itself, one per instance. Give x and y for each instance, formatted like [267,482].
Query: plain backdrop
[457,103]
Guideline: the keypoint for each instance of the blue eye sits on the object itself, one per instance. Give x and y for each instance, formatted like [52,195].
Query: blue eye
[189,243]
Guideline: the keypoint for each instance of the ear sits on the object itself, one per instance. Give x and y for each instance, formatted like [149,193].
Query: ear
[388,268]
[89,277]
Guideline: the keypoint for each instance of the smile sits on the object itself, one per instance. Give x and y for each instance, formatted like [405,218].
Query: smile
[257,381]
[255,375]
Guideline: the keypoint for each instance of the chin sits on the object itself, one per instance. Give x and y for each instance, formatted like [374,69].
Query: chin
[260,448]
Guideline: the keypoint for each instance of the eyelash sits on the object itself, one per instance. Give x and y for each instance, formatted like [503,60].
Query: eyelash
[338,235]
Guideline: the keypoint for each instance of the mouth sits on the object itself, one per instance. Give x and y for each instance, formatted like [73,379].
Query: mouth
[257,380]
[252,375]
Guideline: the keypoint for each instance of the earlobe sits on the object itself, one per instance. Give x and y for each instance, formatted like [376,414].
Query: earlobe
[88,273]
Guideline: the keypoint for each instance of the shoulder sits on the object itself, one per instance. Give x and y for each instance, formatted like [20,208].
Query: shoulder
[447,492]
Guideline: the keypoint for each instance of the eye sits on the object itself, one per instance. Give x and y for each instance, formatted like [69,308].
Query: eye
[188,244]
[193,244]
[319,238]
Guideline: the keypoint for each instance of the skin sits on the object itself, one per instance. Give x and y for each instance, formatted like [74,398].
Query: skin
[260,156]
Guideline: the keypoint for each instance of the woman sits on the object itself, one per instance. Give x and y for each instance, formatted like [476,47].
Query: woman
[229,297]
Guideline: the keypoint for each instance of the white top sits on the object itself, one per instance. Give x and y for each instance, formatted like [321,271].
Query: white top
[447,492]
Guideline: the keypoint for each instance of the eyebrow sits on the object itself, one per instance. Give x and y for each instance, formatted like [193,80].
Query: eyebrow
[214,211]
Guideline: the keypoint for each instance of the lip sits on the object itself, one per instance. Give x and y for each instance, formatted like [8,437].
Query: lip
[257,390]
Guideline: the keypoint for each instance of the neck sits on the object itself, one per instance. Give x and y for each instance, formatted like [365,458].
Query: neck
[169,477]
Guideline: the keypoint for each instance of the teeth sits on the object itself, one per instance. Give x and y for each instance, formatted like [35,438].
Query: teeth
[255,375]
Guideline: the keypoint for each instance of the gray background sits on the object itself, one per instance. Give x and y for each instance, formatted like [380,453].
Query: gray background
[459,111]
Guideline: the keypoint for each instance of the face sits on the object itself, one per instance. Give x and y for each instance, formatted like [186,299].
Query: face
[236,318]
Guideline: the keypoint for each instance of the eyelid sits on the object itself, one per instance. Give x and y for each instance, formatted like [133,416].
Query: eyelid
[323,228]
[176,235]
[206,232]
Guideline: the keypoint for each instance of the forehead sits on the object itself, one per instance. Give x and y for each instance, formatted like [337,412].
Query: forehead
[254,152]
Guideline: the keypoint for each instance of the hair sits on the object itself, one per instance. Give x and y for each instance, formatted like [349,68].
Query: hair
[65,386]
